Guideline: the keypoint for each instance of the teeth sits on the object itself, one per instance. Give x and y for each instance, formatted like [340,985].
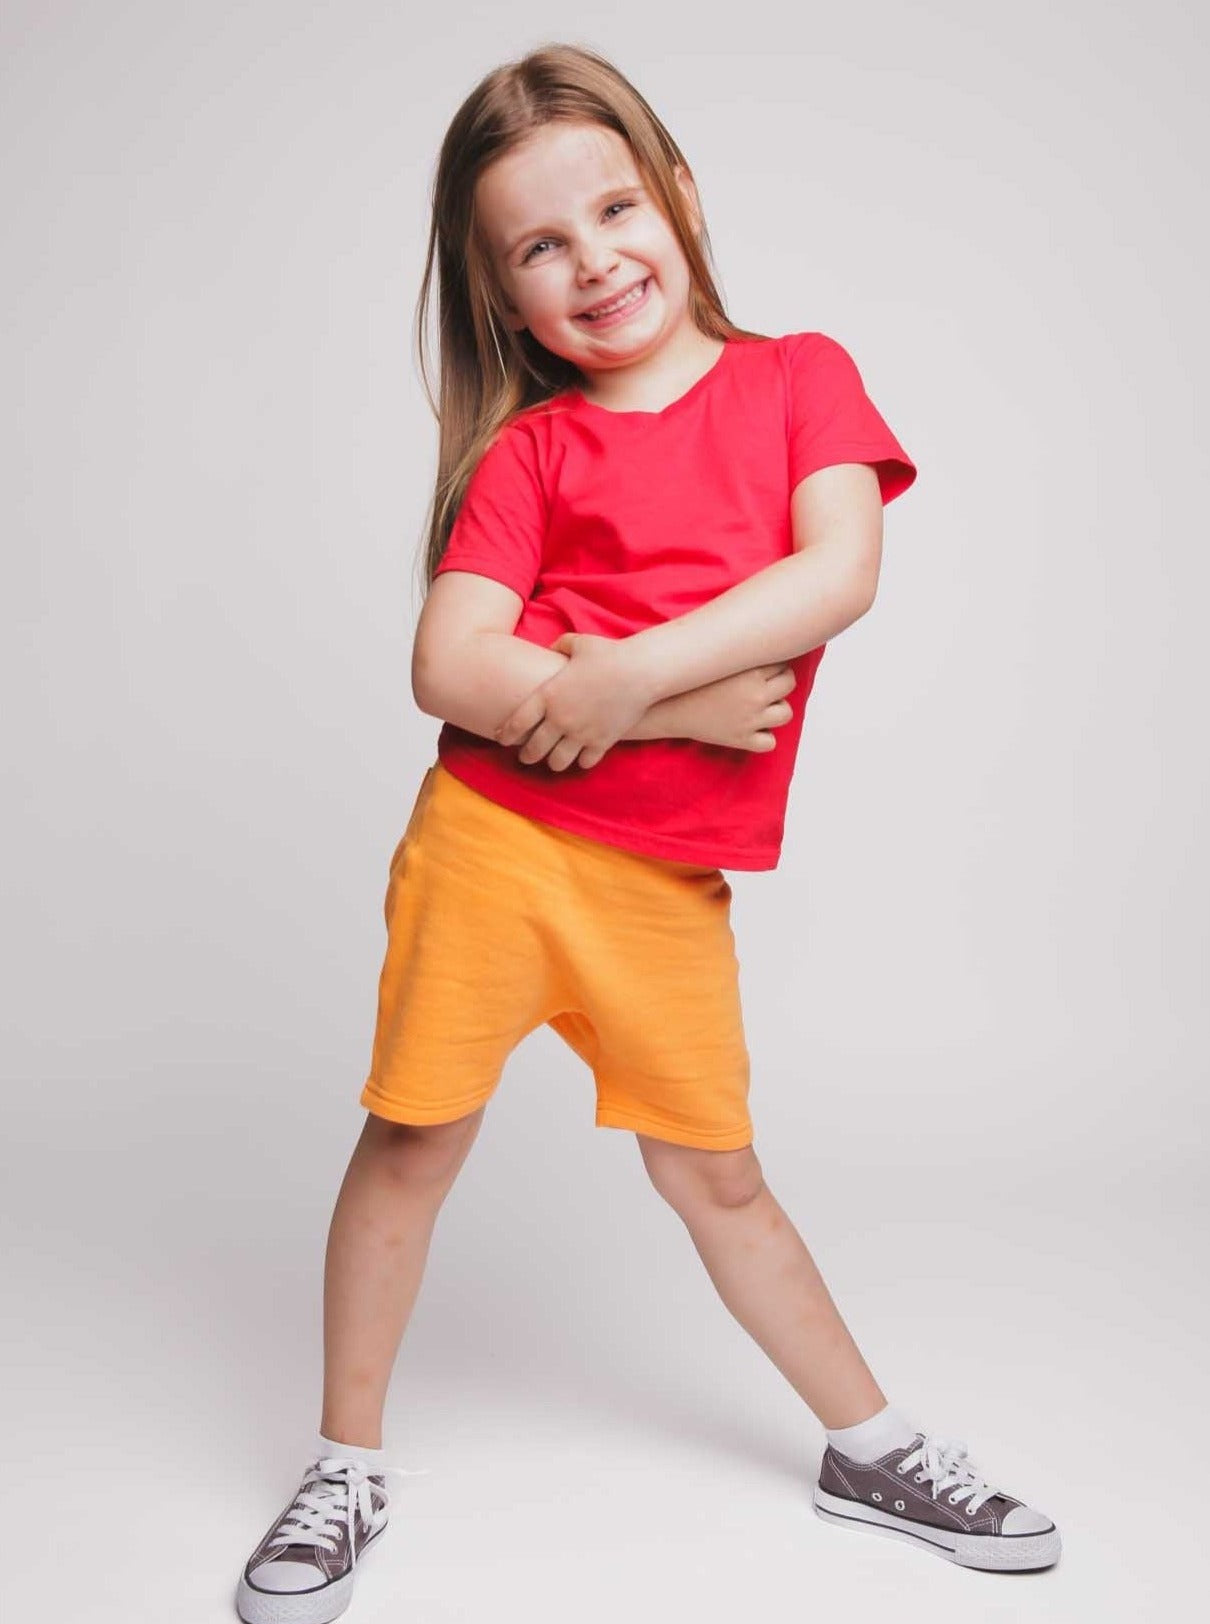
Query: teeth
[630,298]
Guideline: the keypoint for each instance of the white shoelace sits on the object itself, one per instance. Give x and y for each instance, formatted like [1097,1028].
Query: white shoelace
[340,1489]
[948,1464]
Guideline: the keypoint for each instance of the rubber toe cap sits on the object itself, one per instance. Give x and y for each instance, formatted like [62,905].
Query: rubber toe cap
[1023,1520]
[285,1578]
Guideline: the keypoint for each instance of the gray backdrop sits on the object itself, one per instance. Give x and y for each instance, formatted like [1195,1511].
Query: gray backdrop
[974,989]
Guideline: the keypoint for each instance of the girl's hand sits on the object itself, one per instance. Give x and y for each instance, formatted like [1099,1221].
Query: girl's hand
[740,710]
[583,709]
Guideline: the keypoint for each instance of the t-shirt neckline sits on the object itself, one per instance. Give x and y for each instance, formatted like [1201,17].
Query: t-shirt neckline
[684,399]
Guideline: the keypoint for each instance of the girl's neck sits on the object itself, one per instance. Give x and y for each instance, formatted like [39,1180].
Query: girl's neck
[653,384]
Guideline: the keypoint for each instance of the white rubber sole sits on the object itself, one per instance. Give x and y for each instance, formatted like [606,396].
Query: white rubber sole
[1004,1553]
[318,1606]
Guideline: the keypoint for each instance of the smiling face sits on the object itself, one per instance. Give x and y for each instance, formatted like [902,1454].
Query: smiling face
[570,226]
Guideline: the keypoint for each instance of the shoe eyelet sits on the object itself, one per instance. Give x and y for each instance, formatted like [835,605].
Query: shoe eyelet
[953,1499]
[899,1505]
[919,1477]
[875,1495]
[901,1468]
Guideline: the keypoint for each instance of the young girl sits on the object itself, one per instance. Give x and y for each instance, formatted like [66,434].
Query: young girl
[647,525]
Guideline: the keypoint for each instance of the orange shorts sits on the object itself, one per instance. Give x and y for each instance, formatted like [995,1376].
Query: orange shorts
[497,924]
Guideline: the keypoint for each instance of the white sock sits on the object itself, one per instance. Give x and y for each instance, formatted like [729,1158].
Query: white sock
[868,1440]
[374,1458]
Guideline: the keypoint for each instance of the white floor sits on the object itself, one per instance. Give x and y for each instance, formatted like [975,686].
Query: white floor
[602,1440]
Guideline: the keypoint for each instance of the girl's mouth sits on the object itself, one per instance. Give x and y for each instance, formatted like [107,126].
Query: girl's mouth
[634,300]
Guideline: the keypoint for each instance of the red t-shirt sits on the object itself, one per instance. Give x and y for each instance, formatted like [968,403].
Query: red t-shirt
[609,522]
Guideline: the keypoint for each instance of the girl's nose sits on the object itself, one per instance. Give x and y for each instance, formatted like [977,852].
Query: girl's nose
[596,261]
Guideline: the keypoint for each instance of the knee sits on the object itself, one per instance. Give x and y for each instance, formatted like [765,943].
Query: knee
[429,1151]
[687,1177]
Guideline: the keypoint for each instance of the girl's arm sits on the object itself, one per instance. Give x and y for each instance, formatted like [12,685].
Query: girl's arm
[779,613]
[469,669]
[486,674]
[788,608]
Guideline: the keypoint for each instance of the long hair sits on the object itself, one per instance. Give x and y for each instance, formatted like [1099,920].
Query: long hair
[488,371]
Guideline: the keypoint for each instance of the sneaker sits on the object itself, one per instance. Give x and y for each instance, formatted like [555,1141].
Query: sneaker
[302,1570]
[930,1495]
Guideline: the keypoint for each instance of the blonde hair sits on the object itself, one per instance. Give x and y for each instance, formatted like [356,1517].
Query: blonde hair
[488,371]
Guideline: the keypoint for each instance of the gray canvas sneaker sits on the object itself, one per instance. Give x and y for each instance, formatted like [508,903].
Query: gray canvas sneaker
[302,1571]
[930,1495]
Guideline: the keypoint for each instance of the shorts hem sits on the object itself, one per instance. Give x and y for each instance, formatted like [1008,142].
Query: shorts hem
[397,1110]
[695,1138]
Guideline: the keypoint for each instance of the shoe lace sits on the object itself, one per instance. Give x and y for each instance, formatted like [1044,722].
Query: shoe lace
[334,1490]
[947,1462]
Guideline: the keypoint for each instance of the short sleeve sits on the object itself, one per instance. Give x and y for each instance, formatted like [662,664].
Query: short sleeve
[832,419]
[499,528]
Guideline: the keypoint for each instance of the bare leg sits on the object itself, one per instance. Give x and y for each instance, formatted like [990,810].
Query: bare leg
[378,1243]
[765,1275]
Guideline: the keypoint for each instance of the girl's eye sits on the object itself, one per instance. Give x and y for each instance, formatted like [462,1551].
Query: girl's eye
[530,252]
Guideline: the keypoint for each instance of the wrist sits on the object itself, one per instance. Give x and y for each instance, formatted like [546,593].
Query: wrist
[666,719]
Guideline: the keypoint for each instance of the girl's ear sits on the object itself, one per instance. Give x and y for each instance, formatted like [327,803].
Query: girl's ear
[511,316]
[685,181]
